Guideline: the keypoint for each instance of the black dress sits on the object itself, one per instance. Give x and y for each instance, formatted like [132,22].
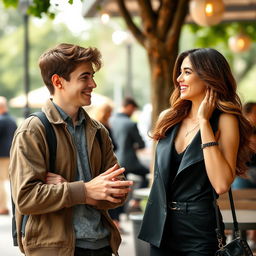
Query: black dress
[187,232]
[182,178]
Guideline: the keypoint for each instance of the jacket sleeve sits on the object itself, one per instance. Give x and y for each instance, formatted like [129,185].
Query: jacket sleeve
[28,168]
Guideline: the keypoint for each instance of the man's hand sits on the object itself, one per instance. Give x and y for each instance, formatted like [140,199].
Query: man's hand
[107,186]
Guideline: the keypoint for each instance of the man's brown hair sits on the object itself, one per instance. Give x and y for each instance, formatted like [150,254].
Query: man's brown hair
[63,60]
[129,101]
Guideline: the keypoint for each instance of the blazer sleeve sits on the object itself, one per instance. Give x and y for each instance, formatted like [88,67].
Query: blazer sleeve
[136,137]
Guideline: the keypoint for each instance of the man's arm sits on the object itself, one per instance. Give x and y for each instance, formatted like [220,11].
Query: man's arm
[104,191]
[108,161]
[28,170]
[109,188]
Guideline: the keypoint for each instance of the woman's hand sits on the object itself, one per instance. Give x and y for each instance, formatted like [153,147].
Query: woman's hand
[207,106]
[52,178]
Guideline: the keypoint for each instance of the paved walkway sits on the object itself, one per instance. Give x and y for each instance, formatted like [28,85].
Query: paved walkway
[7,249]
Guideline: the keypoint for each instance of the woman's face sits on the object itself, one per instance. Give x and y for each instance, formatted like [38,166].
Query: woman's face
[190,85]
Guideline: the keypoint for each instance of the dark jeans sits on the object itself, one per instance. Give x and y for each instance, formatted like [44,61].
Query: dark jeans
[105,251]
[188,232]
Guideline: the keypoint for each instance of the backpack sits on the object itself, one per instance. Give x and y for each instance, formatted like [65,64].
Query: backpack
[52,144]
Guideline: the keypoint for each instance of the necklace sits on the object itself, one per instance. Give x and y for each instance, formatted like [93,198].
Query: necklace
[188,132]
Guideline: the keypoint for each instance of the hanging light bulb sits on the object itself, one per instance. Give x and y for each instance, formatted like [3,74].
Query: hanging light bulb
[104,18]
[206,12]
[239,43]
[209,9]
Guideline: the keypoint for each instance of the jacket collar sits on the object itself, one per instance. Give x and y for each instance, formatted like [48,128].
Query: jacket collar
[164,152]
[54,117]
[192,154]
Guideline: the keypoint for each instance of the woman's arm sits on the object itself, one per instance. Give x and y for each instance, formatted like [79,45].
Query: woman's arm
[220,161]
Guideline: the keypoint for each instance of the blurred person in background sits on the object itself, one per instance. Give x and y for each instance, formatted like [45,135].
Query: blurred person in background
[128,140]
[249,180]
[7,129]
[102,113]
[145,124]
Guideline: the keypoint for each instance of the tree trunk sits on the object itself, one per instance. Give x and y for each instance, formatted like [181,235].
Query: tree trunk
[158,33]
[161,68]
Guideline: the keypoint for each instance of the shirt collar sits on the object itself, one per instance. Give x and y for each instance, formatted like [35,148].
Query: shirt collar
[67,118]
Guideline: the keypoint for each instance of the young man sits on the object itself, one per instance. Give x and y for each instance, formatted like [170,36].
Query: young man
[7,129]
[67,209]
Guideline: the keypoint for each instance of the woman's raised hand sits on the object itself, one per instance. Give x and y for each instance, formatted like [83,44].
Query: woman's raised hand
[207,106]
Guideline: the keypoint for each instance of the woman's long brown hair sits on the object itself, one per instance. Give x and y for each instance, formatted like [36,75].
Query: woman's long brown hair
[214,70]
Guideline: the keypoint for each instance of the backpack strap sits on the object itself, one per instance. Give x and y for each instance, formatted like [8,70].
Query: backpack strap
[50,137]
[52,144]
[99,138]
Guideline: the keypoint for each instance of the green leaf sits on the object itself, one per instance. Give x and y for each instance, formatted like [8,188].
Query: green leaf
[11,3]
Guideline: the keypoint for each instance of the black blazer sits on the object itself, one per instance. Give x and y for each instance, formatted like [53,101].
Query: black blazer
[190,184]
[128,139]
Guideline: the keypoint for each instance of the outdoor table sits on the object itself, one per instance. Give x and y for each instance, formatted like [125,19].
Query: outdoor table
[141,193]
[246,220]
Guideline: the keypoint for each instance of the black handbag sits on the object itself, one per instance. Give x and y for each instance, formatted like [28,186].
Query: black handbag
[238,246]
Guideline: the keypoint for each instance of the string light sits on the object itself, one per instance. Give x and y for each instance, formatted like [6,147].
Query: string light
[104,18]
[206,12]
[239,43]
[209,9]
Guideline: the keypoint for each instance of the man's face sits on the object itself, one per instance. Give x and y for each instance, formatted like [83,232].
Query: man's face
[77,91]
[130,109]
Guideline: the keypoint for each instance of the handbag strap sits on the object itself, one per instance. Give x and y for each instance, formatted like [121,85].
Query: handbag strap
[235,223]
[219,230]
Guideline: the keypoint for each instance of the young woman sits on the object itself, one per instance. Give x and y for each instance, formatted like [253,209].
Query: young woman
[202,146]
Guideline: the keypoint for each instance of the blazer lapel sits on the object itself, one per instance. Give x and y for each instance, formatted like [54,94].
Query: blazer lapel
[164,152]
[193,153]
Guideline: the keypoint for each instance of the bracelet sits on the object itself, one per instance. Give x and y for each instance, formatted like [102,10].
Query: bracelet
[209,144]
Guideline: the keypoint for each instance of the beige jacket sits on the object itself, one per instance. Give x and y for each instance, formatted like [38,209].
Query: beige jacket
[49,229]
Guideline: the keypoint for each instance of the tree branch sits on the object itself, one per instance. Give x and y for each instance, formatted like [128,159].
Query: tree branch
[165,17]
[130,24]
[179,17]
[147,15]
